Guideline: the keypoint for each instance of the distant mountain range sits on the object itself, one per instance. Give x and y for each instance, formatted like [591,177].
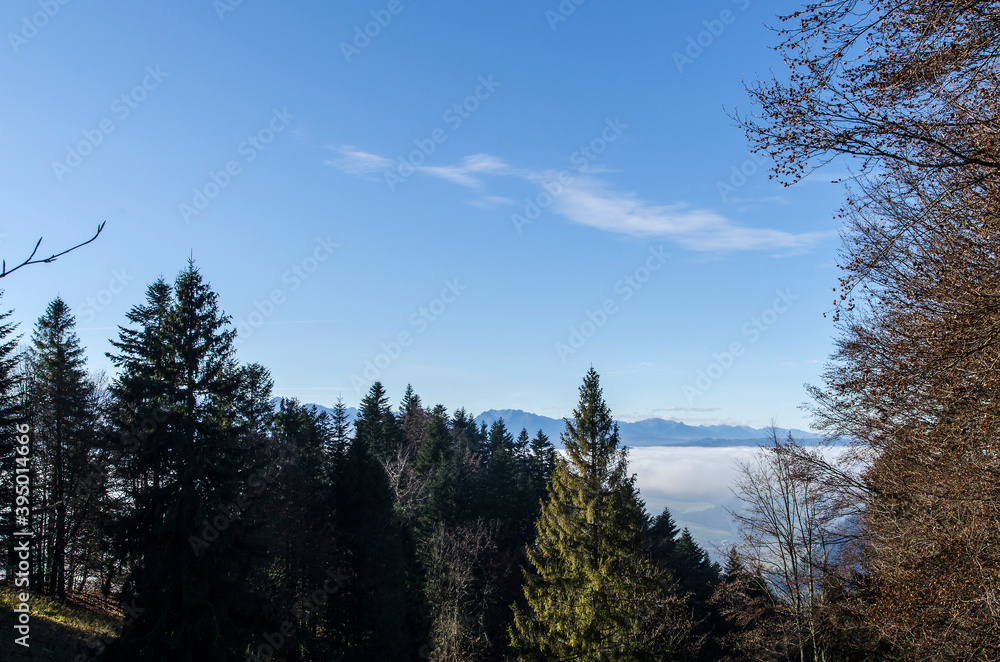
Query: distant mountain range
[648,432]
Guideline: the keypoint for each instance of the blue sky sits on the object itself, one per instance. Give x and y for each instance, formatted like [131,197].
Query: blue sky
[483,199]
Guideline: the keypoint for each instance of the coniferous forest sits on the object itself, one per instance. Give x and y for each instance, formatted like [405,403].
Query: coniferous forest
[181,512]
[223,526]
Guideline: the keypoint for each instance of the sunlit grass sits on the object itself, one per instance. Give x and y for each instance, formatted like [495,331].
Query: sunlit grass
[60,629]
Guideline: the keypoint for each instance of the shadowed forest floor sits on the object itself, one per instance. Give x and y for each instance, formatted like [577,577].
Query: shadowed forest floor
[60,629]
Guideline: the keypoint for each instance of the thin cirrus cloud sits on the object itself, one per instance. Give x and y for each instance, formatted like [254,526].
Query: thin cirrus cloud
[355,162]
[589,201]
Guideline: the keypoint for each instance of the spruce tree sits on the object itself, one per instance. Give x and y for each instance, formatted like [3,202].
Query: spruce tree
[543,463]
[63,405]
[340,437]
[436,445]
[500,471]
[253,398]
[303,548]
[448,488]
[188,535]
[466,432]
[591,593]
[661,537]
[695,570]
[697,579]
[376,425]
[380,622]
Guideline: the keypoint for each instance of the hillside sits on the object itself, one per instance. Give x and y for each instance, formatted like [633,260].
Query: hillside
[60,630]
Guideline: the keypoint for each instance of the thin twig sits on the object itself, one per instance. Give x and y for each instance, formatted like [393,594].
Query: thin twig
[51,258]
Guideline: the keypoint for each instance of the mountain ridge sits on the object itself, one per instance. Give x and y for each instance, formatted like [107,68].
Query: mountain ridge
[651,431]
[647,432]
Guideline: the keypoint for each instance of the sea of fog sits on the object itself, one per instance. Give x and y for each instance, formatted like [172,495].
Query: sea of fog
[695,483]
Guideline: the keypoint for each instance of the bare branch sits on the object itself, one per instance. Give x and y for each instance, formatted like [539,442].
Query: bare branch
[31,258]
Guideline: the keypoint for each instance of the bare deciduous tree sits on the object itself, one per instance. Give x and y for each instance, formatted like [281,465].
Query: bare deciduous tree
[462,583]
[911,90]
[791,530]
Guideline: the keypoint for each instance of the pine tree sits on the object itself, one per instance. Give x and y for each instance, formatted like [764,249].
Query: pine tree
[591,593]
[188,536]
[63,404]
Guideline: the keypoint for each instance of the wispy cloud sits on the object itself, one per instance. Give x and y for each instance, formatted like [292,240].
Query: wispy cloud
[477,164]
[592,202]
[490,201]
[356,162]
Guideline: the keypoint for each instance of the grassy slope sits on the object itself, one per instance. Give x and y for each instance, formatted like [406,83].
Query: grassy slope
[59,629]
